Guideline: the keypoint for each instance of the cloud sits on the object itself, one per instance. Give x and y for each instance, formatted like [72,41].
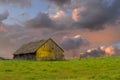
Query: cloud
[90,14]
[42,20]
[60,2]
[93,15]
[22,3]
[76,13]
[70,43]
[4,15]
[62,20]
[54,22]
[59,14]
[97,52]
[96,14]
[3,28]
[101,51]
[110,51]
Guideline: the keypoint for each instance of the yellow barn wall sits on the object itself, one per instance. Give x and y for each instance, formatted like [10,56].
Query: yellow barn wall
[49,51]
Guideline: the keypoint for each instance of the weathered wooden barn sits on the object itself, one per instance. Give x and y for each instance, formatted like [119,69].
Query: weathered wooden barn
[40,50]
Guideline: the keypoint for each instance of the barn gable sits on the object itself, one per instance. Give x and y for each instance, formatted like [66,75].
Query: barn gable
[49,50]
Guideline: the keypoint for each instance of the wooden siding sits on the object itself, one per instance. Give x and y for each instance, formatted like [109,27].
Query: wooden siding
[28,56]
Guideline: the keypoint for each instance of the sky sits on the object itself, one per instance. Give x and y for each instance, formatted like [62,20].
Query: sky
[76,25]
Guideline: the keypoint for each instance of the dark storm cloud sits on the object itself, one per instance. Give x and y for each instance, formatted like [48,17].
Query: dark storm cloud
[4,15]
[97,13]
[42,20]
[22,3]
[91,14]
[71,43]
[60,2]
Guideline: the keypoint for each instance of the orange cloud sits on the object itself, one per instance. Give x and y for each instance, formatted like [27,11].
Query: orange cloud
[107,36]
[110,51]
[76,13]
[3,29]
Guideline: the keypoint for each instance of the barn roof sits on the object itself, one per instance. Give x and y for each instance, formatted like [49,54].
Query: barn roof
[32,47]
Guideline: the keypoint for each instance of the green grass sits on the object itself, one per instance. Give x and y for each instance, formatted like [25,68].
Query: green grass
[82,69]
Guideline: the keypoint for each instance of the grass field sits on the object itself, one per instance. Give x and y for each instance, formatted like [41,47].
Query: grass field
[82,69]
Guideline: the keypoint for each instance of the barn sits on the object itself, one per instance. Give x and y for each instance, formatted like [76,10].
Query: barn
[40,50]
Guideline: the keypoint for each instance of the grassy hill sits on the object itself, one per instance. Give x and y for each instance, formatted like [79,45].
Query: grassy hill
[82,69]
